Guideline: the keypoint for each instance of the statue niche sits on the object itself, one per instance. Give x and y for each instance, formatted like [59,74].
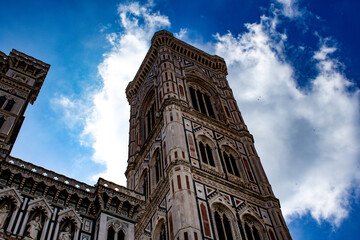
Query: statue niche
[35,225]
[67,230]
[6,210]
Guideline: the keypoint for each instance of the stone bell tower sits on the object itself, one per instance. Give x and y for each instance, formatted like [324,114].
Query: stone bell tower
[190,152]
[21,78]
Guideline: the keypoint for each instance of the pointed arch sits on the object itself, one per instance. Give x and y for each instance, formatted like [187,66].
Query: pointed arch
[147,113]
[224,220]
[160,232]
[254,228]
[68,224]
[110,233]
[202,94]
[232,161]
[208,153]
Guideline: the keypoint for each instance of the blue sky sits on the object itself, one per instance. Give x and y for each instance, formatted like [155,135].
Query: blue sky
[293,66]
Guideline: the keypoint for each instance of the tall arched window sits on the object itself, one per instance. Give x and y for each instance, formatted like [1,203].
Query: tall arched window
[121,235]
[253,228]
[111,233]
[272,236]
[248,232]
[150,119]
[252,233]
[162,233]
[223,226]
[231,165]
[158,168]
[206,154]
[146,185]
[201,102]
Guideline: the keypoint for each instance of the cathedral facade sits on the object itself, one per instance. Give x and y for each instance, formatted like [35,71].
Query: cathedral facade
[193,172]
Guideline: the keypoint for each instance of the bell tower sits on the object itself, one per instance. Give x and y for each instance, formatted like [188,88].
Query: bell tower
[21,78]
[190,153]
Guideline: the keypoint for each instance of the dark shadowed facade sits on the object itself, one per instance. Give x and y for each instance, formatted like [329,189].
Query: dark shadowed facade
[193,172]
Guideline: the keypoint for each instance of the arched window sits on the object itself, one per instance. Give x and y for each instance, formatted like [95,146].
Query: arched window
[150,119]
[206,154]
[252,233]
[125,209]
[158,168]
[111,233]
[231,165]
[248,232]
[201,102]
[121,235]
[272,236]
[162,233]
[253,228]
[2,100]
[256,233]
[145,187]
[223,226]
[147,112]
[9,105]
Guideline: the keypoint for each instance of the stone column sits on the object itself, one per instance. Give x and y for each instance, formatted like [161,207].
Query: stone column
[18,222]
[43,233]
[52,224]
[26,218]
[56,230]
[13,218]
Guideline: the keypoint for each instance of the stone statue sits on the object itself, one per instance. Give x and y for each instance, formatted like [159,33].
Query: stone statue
[4,212]
[34,228]
[65,235]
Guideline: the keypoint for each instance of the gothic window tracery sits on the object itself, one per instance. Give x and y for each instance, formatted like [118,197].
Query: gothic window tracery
[231,165]
[201,101]
[147,114]
[206,154]
[224,223]
[253,228]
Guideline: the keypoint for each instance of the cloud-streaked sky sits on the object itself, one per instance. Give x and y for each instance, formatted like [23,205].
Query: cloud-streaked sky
[293,67]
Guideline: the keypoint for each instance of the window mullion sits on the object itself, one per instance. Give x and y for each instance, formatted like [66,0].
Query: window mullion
[204,101]
[223,226]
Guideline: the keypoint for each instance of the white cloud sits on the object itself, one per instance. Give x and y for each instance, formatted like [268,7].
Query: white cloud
[108,125]
[307,140]
[290,8]
[183,33]
[107,110]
